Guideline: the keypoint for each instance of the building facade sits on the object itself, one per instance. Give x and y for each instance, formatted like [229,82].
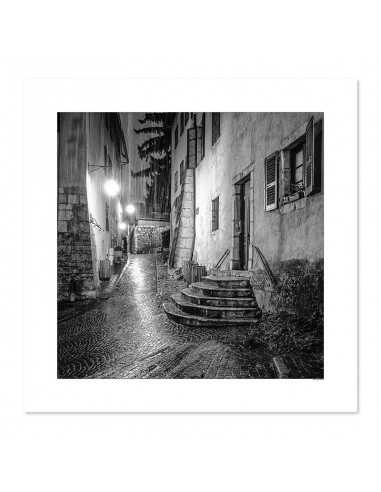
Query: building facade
[92,160]
[251,185]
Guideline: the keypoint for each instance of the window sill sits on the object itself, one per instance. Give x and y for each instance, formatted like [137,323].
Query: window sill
[293,198]
[297,204]
[216,141]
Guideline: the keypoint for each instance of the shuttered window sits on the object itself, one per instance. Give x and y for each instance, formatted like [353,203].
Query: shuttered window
[201,140]
[191,148]
[309,167]
[215,213]
[271,181]
[203,136]
[215,127]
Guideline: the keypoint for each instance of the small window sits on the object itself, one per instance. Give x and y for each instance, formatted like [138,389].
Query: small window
[215,127]
[176,136]
[182,174]
[176,180]
[181,123]
[107,217]
[215,213]
[186,118]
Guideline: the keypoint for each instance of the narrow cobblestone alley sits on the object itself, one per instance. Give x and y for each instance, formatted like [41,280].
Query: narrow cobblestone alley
[129,336]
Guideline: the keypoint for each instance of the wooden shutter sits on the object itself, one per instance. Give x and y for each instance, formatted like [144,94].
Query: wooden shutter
[199,144]
[309,166]
[271,181]
[191,148]
[215,127]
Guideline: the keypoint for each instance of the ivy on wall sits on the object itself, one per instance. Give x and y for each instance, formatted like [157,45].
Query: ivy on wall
[300,288]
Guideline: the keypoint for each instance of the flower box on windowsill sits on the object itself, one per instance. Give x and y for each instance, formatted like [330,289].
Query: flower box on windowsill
[292,198]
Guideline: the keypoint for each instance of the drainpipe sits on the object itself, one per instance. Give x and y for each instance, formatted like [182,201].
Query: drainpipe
[194,214]
[194,195]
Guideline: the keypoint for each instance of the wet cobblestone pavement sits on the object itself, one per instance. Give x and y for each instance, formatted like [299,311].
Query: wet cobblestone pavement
[129,336]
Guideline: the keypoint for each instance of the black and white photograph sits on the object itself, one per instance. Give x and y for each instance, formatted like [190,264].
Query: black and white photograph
[190,245]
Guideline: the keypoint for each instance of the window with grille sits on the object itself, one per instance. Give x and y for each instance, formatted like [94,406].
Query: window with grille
[215,127]
[176,136]
[215,213]
[176,180]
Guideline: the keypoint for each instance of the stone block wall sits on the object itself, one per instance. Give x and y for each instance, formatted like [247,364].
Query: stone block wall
[186,224]
[146,238]
[74,255]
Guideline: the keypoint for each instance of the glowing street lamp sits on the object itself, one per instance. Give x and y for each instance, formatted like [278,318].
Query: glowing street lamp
[122,226]
[111,187]
[130,209]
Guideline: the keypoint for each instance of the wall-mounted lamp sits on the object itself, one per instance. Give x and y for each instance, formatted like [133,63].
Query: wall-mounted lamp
[122,226]
[130,209]
[111,187]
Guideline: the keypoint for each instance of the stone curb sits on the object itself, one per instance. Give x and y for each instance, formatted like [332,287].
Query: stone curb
[281,368]
[113,283]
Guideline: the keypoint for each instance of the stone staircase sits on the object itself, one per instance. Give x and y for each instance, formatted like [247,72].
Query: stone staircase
[216,301]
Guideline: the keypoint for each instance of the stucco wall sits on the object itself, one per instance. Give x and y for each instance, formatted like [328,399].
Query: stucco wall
[82,137]
[293,231]
[98,137]
[290,237]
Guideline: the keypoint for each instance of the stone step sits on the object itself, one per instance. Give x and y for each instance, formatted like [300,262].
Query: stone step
[227,282]
[216,291]
[198,298]
[213,311]
[182,318]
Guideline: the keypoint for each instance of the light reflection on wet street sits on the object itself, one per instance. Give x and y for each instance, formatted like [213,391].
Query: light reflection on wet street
[129,336]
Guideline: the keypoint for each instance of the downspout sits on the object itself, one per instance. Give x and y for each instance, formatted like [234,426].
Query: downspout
[194,214]
[194,196]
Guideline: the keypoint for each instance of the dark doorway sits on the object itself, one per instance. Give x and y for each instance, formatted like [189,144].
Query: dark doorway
[244,238]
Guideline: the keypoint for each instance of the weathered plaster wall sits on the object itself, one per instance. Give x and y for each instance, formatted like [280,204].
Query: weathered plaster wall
[230,154]
[82,137]
[72,150]
[291,237]
[98,138]
[295,230]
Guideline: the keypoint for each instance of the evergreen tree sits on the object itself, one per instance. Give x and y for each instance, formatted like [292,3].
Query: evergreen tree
[156,151]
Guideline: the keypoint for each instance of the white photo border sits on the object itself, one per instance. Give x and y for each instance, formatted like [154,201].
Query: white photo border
[43,98]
